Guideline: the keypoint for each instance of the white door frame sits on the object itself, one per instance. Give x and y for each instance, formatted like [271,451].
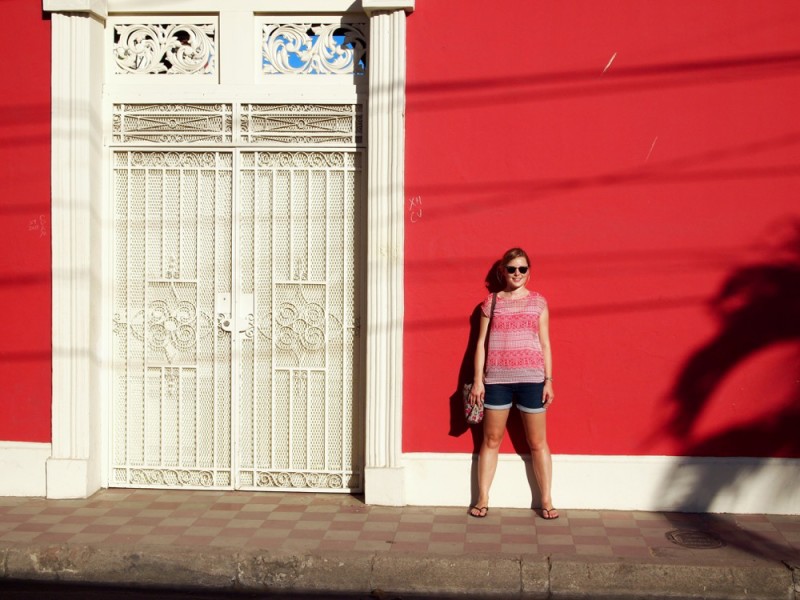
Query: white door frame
[80,229]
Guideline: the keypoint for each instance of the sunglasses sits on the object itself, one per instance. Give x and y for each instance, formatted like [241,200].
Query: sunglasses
[512,270]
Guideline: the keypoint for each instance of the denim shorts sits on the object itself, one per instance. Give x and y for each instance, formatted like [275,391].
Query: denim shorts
[529,397]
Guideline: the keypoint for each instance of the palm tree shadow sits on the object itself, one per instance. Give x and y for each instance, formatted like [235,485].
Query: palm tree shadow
[734,532]
[758,307]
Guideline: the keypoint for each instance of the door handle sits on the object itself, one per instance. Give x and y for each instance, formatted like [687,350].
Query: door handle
[242,321]
[223,310]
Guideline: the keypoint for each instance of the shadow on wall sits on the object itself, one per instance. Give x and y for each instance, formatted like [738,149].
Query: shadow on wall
[758,307]
[458,424]
[468,94]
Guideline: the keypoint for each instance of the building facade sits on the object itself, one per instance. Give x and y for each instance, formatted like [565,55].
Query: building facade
[268,225]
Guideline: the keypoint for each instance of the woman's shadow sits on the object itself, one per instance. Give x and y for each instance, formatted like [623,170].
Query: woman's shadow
[458,422]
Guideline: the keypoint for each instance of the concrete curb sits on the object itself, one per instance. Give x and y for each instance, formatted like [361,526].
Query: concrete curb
[628,578]
[795,568]
[529,577]
[483,576]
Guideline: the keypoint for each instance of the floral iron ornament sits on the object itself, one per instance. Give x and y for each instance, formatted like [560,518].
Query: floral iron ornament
[318,49]
[171,330]
[183,49]
[300,329]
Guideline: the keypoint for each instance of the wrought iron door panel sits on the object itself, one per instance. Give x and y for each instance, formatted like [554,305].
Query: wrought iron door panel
[171,411]
[297,409]
[284,320]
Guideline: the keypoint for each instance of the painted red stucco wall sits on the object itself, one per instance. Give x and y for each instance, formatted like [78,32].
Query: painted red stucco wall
[646,154]
[25,347]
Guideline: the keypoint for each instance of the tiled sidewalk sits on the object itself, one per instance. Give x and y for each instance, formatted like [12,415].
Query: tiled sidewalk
[306,522]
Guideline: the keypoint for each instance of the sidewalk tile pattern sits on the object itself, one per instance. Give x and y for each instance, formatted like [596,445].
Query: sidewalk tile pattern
[338,522]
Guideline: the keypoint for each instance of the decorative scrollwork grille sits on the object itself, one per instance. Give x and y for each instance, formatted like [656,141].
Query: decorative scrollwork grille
[172,124]
[314,48]
[302,124]
[165,48]
[259,124]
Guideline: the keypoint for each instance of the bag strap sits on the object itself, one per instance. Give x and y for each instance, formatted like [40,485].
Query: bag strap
[488,329]
[491,318]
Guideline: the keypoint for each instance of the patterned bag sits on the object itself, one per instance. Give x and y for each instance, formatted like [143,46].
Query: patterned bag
[473,409]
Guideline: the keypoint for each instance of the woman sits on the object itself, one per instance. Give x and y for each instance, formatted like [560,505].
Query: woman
[515,366]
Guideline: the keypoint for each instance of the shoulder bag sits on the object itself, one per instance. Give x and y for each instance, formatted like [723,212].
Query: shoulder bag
[473,409]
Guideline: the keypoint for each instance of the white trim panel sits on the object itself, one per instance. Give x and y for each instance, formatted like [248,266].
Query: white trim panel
[371,6]
[259,6]
[23,468]
[647,483]
[95,7]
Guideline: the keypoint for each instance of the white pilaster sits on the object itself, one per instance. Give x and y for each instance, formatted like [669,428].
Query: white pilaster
[73,471]
[383,477]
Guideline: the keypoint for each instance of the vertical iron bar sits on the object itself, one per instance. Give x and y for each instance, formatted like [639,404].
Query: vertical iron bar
[144,324]
[128,327]
[328,258]
[215,196]
[199,221]
[272,324]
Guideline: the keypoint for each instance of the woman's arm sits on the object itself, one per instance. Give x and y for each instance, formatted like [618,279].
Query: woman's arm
[480,358]
[544,340]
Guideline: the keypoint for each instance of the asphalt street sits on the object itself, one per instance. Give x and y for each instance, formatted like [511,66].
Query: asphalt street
[25,590]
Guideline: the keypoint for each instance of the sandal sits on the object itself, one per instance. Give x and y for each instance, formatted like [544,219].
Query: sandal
[549,514]
[482,511]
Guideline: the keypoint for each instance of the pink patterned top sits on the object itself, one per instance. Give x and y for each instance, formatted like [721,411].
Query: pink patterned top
[515,351]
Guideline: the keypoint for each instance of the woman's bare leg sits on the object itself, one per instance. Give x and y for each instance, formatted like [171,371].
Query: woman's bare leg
[494,427]
[536,435]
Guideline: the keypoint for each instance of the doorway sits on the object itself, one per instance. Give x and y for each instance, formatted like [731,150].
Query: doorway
[236,303]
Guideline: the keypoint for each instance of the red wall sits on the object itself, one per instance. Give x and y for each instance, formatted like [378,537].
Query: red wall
[25,348]
[639,185]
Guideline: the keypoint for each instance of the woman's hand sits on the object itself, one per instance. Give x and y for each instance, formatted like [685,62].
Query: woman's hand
[548,395]
[477,392]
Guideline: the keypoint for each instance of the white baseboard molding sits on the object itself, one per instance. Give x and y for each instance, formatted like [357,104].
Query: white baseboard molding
[23,468]
[69,478]
[384,486]
[646,483]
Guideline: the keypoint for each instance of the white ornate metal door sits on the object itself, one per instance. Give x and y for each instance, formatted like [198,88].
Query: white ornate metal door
[297,241]
[235,293]
[171,412]
[235,337]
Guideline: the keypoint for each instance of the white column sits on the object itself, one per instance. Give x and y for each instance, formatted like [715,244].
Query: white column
[73,471]
[383,477]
